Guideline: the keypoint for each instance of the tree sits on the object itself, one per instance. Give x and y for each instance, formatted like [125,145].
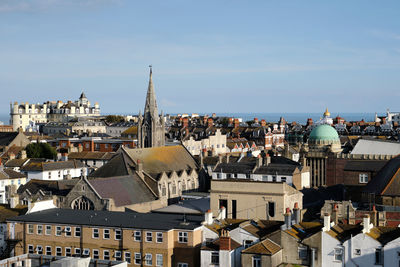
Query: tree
[225,122]
[41,150]
[114,118]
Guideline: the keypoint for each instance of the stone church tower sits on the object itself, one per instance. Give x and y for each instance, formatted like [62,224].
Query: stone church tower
[151,127]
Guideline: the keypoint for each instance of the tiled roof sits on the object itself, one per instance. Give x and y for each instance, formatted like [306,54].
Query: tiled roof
[266,247]
[51,166]
[214,246]
[304,229]
[10,174]
[91,155]
[384,234]
[388,174]
[260,228]
[343,232]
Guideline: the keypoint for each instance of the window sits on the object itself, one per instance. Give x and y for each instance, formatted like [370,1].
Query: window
[159,260]
[77,252]
[138,258]
[302,253]
[357,252]
[30,249]
[247,243]
[283,179]
[106,233]
[164,191]
[86,252]
[40,229]
[128,257]
[39,249]
[118,234]
[48,230]
[138,236]
[149,237]
[95,254]
[378,256]
[215,258]
[106,255]
[48,250]
[183,264]
[49,175]
[58,230]
[159,237]
[173,189]
[67,252]
[58,251]
[95,233]
[338,254]
[271,209]
[118,255]
[77,231]
[59,174]
[30,228]
[273,178]
[256,261]
[68,231]
[148,259]
[183,237]
[363,178]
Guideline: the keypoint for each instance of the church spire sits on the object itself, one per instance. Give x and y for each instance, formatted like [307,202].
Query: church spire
[150,107]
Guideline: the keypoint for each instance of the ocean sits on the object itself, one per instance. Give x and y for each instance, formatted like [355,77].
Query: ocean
[274,117]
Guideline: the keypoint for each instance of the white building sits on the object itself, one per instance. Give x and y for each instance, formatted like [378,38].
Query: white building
[215,143]
[25,115]
[9,179]
[58,170]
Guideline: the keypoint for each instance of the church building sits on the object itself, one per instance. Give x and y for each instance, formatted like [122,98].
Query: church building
[151,126]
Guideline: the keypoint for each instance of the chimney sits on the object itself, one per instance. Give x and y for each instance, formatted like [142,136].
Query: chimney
[335,213]
[288,219]
[374,216]
[327,223]
[367,226]
[92,145]
[210,122]
[259,161]
[255,120]
[208,217]
[139,166]
[68,177]
[263,123]
[227,158]
[230,121]
[11,156]
[220,157]
[23,154]
[296,212]
[225,242]
[185,122]
[236,123]
[267,160]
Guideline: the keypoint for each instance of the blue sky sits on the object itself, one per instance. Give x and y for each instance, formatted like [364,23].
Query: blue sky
[207,56]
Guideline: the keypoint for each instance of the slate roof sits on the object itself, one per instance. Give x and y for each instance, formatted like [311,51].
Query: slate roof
[6,212]
[364,165]
[135,220]
[384,234]
[125,190]
[190,206]
[266,247]
[235,167]
[385,177]
[10,174]
[304,229]
[119,165]
[7,137]
[15,163]
[343,232]
[260,228]
[59,188]
[87,155]
[51,166]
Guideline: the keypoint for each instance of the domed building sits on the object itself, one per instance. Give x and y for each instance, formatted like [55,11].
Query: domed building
[322,140]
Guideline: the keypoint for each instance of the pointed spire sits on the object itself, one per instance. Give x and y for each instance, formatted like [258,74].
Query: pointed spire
[150,107]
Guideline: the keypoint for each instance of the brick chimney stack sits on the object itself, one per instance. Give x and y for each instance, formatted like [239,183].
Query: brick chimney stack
[210,122]
[263,123]
[225,242]
[236,123]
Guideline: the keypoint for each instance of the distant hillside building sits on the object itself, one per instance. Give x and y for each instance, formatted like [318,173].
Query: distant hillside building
[26,116]
[151,126]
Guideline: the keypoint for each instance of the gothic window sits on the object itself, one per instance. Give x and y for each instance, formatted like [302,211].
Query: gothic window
[82,203]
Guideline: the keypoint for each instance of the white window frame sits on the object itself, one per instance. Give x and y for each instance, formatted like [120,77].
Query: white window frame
[159,258]
[86,252]
[68,231]
[95,254]
[338,254]
[66,253]
[77,251]
[363,178]
[137,235]
[95,231]
[183,237]
[120,234]
[138,258]
[106,232]
[58,231]
[30,229]
[148,259]
[149,236]
[59,251]
[39,226]
[116,253]
[104,255]
[39,250]
[31,249]
[256,261]
[127,257]
[47,227]
[47,247]
[159,235]
[77,230]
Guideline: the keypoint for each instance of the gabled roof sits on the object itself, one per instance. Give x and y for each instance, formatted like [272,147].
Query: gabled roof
[59,188]
[15,163]
[343,232]
[10,174]
[265,247]
[304,229]
[214,246]
[124,190]
[6,212]
[119,165]
[384,234]
[387,180]
[364,165]
[7,137]
[51,166]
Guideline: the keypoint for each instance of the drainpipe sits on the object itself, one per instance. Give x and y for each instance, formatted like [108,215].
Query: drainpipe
[312,261]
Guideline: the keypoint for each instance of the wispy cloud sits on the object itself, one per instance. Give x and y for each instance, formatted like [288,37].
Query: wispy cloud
[384,34]
[9,6]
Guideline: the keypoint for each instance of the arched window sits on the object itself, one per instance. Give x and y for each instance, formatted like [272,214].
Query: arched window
[82,203]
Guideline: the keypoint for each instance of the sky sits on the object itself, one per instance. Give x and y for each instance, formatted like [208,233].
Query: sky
[207,56]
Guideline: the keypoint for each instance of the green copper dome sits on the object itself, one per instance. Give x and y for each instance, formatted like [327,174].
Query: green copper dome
[324,132]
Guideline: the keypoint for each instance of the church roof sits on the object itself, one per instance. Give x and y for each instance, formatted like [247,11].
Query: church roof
[324,132]
[82,95]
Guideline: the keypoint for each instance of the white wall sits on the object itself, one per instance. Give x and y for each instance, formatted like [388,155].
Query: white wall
[55,174]
[240,235]
[367,245]
[391,253]
[329,244]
